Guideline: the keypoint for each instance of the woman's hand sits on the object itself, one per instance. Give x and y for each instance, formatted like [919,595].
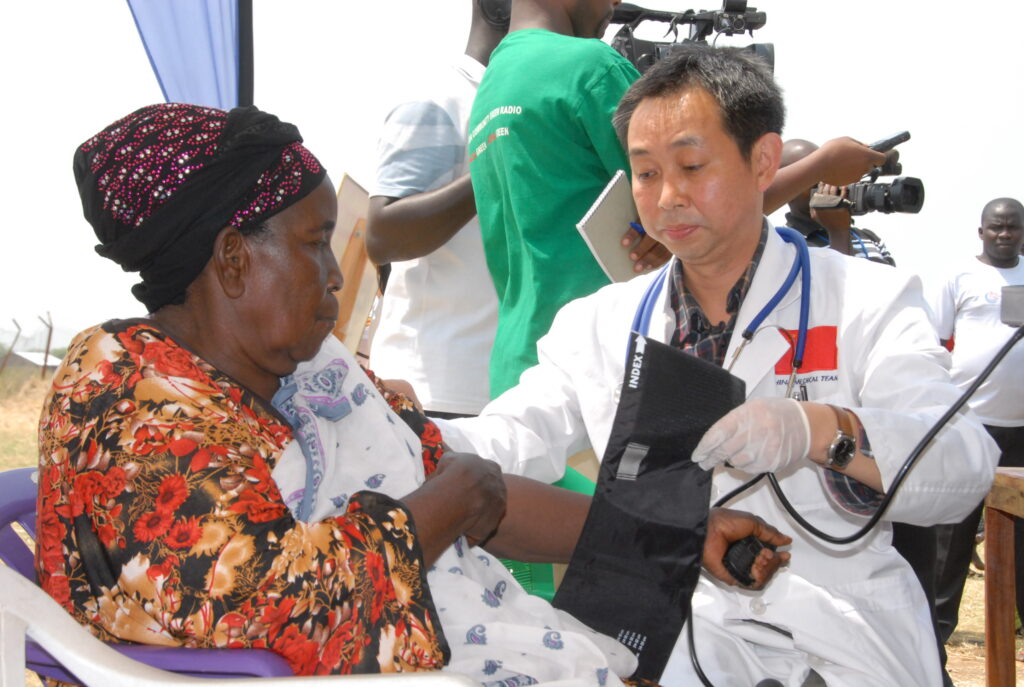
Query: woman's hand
[726,526]
[483,489]
[464,495]
[401,386]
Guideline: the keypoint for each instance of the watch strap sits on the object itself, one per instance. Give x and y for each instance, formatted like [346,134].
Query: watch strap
[846,425]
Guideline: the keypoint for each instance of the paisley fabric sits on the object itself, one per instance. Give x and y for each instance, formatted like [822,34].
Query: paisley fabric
[165,463]
[498,634]
[317,393]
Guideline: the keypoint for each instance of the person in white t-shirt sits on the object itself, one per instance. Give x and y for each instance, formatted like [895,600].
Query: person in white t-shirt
[966,309]
[440,309]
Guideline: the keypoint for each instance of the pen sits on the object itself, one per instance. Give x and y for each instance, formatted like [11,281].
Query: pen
[637,228]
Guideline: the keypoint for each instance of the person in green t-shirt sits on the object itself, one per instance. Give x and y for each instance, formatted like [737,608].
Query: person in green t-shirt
[541,149]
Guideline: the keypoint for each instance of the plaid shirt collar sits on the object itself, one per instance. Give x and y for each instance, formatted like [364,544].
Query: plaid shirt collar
[694,333]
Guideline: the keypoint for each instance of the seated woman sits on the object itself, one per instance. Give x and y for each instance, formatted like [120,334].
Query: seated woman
[159,520]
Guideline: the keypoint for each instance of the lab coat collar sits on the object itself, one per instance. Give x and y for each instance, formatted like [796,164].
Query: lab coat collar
[760,355]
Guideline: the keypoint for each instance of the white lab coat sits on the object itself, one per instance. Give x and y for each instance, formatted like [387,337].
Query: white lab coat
[856,612]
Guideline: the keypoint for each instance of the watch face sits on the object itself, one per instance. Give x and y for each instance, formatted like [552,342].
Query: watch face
[842,451]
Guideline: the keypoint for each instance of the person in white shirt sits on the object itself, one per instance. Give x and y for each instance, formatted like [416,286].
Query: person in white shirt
[966,309]
[440,310]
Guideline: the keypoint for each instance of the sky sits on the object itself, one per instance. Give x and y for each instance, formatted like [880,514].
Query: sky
[948,73]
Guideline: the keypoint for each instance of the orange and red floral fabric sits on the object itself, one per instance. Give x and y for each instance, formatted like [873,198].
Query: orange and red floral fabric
[165,462]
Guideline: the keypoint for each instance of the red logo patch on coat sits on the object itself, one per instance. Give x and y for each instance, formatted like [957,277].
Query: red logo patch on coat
[820,352]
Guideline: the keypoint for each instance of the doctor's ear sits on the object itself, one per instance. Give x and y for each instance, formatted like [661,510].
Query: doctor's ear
[765,155]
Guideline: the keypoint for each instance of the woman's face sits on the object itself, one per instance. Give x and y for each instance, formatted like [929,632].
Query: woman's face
[289,291]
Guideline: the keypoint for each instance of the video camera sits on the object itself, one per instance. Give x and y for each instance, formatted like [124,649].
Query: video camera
[734,17]
[904,194]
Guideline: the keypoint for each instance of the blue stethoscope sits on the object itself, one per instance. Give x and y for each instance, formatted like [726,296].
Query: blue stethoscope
[801,266]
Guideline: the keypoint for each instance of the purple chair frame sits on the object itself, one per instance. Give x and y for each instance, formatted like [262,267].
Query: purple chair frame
[18,505]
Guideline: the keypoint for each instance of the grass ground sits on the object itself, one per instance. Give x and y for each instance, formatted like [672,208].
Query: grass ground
[21,397]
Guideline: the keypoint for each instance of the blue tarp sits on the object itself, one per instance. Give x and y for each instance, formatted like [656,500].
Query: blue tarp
[193,48]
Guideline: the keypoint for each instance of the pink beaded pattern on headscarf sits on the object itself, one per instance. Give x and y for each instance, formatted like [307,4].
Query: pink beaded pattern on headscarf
[276,184]
[142,176]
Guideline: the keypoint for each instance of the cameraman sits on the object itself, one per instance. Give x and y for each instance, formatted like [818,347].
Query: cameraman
[834,227]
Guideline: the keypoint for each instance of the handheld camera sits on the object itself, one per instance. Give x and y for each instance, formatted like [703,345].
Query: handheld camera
[903,194]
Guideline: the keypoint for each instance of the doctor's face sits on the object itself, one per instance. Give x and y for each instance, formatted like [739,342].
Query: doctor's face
[695,191]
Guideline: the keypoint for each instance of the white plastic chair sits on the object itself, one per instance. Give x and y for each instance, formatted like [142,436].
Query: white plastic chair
[25,609]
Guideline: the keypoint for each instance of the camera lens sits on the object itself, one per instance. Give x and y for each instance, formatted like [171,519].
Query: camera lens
[906,194]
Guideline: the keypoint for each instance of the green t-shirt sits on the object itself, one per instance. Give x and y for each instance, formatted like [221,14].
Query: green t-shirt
[541,148]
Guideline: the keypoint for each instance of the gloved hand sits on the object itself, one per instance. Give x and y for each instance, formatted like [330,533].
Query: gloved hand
[762,435]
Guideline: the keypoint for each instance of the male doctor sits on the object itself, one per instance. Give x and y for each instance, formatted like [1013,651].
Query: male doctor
[702,131]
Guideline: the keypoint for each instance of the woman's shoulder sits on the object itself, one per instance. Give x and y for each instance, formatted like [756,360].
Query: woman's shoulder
[124,343]
[116,335]
[121,359]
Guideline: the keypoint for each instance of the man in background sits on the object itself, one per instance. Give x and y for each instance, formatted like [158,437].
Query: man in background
[439,311]
[966,308]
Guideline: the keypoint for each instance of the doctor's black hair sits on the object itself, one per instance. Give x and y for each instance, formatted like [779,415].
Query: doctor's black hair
[748,98]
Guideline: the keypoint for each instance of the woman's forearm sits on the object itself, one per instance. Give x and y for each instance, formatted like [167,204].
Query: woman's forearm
[542,523]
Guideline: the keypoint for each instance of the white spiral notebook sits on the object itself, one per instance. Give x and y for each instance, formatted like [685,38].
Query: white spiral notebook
[605,223]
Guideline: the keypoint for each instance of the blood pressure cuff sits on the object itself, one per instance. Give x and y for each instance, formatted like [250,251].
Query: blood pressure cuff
[638,559]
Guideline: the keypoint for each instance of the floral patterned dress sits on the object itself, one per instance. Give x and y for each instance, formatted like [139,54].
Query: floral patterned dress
[158,521]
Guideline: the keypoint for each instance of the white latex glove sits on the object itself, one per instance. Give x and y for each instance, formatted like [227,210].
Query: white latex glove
[762,435]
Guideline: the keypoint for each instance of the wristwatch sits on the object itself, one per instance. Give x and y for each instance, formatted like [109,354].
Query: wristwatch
[844,444]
